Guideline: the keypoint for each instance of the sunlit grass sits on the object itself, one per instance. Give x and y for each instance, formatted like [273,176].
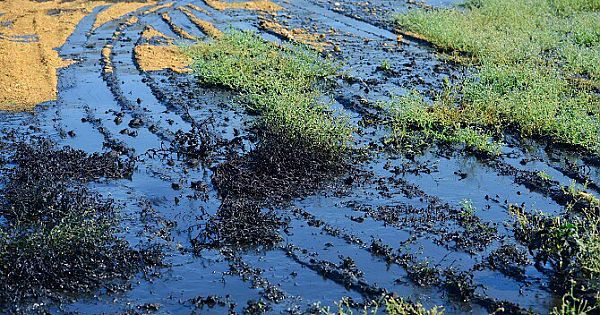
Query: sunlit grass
[280,83]
[388,305]
[538,62]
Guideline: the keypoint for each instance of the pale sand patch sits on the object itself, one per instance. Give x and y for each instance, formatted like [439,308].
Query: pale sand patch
[118,10]
[299,35]
[30,33]
[207,27]
[150,32]
[158,7]
[259,5]
[152,58]
[177,29]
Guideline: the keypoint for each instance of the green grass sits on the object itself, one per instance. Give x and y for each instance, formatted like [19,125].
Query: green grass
[415,123]
[280,83]
[538,67]
[389,305]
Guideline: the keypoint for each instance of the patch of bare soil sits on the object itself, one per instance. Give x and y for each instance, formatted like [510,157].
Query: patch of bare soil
[260,5]
[152,58]
[30,33]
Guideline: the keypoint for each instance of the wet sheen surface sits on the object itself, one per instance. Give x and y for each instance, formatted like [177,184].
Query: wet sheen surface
[410,205]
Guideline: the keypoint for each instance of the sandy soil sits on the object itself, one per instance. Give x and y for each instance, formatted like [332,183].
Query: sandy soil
[30,32]
[118,10]
[207,27]
[260,5]
[150,57]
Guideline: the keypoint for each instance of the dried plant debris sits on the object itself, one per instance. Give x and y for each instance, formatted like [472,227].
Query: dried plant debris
[509,260]
[58,238]
[276,171]
[40,159]
[240,223]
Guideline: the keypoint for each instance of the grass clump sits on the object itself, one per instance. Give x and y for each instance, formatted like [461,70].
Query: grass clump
[571,305]
[415,123]
[280,83]
[389,304]
[538,62]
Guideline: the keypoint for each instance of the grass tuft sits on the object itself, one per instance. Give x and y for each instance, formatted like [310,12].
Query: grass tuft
[569,244]
[388,304]
[280,83]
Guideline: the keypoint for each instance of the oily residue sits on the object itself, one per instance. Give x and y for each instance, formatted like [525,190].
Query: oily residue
[298,35]
[28,67]
[152,58]
[260,5]
[207,27]
[116,11]
[175,28]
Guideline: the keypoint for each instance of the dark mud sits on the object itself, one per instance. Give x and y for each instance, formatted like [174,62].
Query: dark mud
[57,238]
[249,224]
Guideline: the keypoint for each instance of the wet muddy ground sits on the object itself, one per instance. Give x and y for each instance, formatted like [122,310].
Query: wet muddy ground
[237,236]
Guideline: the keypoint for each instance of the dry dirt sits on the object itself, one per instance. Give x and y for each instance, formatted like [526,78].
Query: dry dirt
[151,57]
[260,5]
[30,31]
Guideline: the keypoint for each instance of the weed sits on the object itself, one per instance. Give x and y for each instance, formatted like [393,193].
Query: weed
[529,54]
[468,209]
[280,83]
[385,65]
[571,305]
[396,306]
[569,244]
[389,304]
[415,123]
[545,176]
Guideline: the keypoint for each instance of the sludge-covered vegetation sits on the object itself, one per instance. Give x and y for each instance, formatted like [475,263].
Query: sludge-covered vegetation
[281,84]
[300,140]
[569,246]
[57,237]
[537,75]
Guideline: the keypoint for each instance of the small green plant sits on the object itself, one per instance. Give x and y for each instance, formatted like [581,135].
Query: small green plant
[398,306]
[569,243]
[393,306]
[468,209]
[385,65]
[280,83]
[571,305]
[545,176]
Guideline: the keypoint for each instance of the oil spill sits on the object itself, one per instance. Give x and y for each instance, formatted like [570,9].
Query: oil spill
[244,225]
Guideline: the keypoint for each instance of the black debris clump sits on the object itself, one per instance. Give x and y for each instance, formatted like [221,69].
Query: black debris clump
[57,236]
[241,224]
